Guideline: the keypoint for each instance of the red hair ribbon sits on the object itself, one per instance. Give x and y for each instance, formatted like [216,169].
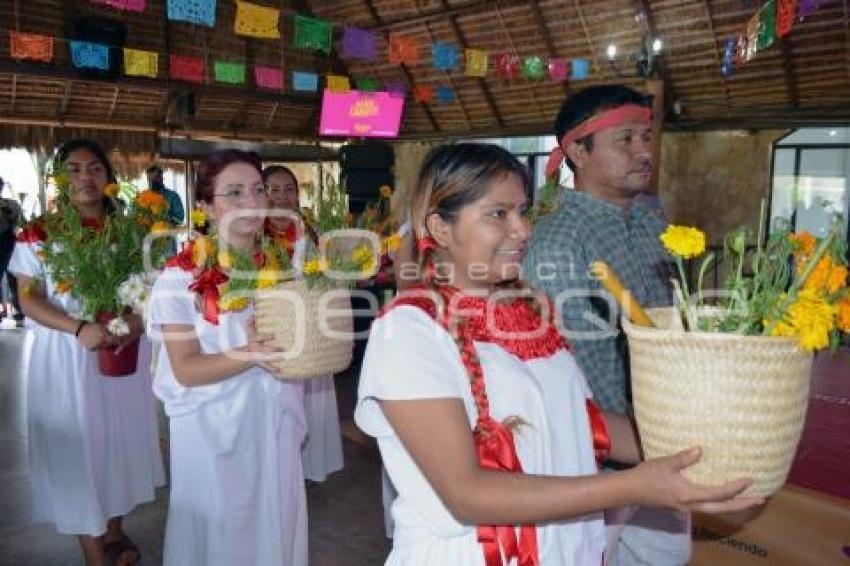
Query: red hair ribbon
[426,244]
[603,120]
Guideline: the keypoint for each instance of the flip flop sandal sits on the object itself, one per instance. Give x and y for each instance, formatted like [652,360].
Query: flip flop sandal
[120,547]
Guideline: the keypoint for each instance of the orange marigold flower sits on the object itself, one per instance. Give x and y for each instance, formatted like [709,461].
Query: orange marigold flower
[804,243]
[844,314]
[152,201]
[827,275]
[111,190]
[63,287]
[160,226]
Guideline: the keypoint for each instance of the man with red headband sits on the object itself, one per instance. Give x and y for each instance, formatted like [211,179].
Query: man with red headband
[604,138]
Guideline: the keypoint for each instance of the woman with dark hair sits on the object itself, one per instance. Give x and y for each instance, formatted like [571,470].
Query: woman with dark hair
[322,452]
[237,489]
[483,418]
[93,440]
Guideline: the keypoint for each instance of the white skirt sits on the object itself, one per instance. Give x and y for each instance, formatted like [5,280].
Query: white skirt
[93,442]
[322,452]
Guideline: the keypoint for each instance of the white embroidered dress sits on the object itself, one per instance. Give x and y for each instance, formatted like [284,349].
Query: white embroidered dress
[93,442]
[237,487]
[409,356]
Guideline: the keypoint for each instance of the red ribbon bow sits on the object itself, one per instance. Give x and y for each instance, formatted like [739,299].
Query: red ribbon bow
[207,286]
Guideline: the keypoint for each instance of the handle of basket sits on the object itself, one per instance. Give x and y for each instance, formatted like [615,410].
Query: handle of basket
[624,298]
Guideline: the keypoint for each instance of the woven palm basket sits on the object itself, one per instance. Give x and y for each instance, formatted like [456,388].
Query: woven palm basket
[314,327]
[741,398]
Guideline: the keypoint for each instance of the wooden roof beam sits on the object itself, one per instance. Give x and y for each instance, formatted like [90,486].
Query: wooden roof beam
[718,58]
[547,37]
[115,92]
[594,54]
[669,92]
[482,83]
[63,104]
[408,75]
[34,69]
[441,14]
[528,86]
[847,38]
[14,92]
[790,73]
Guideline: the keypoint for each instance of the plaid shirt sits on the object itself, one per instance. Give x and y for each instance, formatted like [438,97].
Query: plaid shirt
[563,245]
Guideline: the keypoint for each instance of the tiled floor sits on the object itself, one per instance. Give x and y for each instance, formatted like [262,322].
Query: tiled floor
[346,518]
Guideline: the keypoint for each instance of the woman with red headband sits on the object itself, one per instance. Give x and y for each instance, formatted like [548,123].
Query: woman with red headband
[484,420]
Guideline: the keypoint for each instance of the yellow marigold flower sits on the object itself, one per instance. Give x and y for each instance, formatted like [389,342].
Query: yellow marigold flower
[203,248]
[826,276]
[230,302]
[63,287]
[160,227]
[804,242]
[314,266]
[810,319]
[369,268]
[386,191]
[225,259]
[391,243]
[199,217]
[111,190]
[362,254]
[683,241]
[844,314]
[267,277]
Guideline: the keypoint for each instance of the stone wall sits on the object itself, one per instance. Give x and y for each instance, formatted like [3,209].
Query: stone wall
[716,180]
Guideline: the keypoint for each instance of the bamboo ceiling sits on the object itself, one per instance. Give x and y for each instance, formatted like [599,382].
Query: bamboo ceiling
[803,79]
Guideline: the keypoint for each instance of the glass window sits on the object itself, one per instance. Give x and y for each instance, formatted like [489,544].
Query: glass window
[811,168]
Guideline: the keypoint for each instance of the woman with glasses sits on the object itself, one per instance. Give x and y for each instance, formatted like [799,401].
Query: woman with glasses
[237,489]
[93,443]
[321,455]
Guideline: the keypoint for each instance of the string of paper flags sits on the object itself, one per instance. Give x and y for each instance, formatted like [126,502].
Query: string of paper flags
[309,33]
[773,20]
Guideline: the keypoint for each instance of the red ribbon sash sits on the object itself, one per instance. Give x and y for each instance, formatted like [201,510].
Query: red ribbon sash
[494,444]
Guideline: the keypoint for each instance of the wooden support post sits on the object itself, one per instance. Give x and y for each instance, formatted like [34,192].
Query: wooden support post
[655,88]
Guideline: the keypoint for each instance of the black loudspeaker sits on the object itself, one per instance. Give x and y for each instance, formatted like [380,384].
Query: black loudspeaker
[105,32]
[369,155]
[365,182]
[365,168]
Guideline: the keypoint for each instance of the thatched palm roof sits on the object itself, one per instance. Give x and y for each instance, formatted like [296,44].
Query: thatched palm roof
[803,79]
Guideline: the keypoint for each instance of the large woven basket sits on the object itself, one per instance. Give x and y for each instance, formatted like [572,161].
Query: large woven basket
[741,398]
[314,327]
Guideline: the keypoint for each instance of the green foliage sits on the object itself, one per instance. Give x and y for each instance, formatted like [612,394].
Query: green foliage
[93,260]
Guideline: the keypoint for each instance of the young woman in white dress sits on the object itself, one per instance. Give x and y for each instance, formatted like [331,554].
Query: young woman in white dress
[93,440]
[321,454]
[483,419]
[237,489]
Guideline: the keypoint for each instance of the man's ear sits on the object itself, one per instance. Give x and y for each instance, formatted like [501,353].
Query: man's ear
[578,154]
[439,229]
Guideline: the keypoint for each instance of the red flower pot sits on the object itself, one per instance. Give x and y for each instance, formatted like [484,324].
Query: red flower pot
[113,363]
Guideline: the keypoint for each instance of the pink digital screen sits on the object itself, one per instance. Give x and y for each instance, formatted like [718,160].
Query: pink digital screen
[360,114]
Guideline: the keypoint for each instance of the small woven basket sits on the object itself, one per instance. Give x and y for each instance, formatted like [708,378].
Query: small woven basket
[314,327]
[741,398]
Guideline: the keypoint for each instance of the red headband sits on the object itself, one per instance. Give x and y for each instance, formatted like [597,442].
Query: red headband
[603,120]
